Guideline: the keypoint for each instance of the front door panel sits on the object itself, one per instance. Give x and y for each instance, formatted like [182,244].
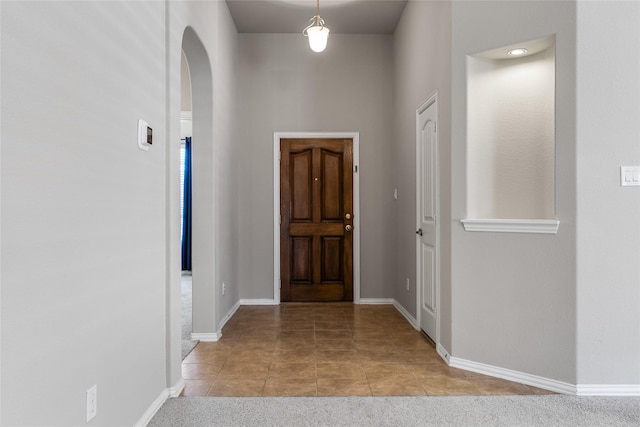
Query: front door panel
[316,207]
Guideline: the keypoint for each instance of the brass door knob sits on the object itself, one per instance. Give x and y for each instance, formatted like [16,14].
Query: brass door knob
[348,216]
[348,227]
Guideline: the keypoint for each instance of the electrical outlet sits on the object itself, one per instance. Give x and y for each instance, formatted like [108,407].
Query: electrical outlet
[407,283]
[224,288]
[92,402]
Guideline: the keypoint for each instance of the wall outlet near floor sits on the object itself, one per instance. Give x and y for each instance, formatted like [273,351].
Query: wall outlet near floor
[224,288]
[407,283]
[92,402]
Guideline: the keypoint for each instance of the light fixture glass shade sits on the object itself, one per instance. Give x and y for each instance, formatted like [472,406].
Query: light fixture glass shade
[318,38]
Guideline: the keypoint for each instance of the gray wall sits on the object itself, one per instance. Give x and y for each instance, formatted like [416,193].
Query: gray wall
[284,86]
[90,223]
[422,66]
[210,43]
[608,222]
[90,279]
[83,211]
[514,295]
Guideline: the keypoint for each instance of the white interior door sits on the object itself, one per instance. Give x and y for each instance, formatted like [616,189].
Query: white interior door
[427,210]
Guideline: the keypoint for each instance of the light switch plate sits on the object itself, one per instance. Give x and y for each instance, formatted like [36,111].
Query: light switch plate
[630,176]
[145,135]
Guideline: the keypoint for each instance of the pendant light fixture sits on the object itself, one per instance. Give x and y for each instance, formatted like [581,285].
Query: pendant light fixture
[316,31]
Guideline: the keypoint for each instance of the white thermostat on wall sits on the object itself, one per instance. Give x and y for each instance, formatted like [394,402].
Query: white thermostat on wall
[145,135]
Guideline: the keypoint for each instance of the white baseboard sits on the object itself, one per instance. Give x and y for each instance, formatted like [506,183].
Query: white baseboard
[215,336]
[443,353]
[206,336]
[159,401]
[608,389]
[257,302]
[516,376]
[412,320]
[376,301]
[176,389]
[228,316]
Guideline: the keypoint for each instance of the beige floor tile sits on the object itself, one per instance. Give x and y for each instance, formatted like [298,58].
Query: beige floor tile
[296,335]
[289,387]
[298,355]
[395,387]
[302,349]
[196,388]
[416,356]
[387,370]
[331,325]
[373,344]
[294,344]
[537,390]
[292,370]
[260,335]
[232,335]
[257,356]
[347,344]
[496,386]
[343,387]
[333,335]
[206,357]
[246,370]
[255,346]
[369,334]
[201,371]
[324,356]
[237,388]
[222,346]
[344,370]
[445,386]
[435,370]
[378,355]
[297,325]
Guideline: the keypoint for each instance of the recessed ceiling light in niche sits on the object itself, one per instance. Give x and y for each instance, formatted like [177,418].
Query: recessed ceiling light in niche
[518,51]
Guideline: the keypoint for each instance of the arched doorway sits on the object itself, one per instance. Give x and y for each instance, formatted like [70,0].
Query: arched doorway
[204,214]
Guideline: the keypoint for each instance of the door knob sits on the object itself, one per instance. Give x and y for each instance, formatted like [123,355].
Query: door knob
[348,216]
[348,227]
[419,232]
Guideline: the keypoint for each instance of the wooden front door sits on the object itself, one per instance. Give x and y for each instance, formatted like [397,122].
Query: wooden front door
[316,208]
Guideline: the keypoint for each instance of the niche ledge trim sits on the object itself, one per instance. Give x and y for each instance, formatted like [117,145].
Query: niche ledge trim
[531,226]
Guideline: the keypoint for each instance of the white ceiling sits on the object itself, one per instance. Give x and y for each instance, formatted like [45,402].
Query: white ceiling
[340,16]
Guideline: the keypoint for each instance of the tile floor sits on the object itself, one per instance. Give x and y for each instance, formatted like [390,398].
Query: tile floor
[330,349]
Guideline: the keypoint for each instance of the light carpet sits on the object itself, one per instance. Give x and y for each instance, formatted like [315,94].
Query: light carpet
[546,410]
[187,322]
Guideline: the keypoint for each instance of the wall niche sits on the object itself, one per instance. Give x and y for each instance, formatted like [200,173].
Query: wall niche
[511,138]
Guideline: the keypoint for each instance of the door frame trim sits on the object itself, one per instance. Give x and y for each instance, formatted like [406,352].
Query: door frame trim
[277,136]
[432,99]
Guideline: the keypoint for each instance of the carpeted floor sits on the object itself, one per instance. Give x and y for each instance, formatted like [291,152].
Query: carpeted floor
[547,410]
[187,343]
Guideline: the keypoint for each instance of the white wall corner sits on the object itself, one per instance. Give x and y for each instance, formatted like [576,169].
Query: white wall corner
[608,389]
[515,376]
